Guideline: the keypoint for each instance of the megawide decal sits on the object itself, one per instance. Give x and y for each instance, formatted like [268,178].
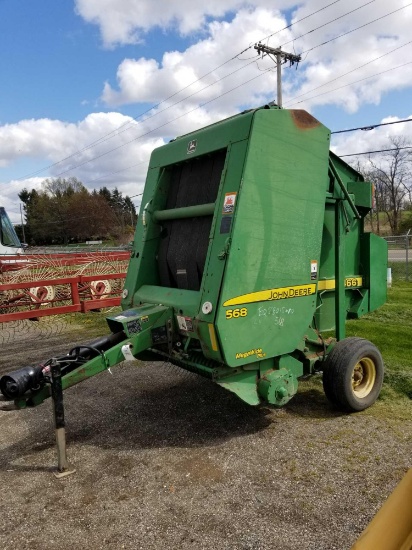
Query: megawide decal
[273,294]
[256,351]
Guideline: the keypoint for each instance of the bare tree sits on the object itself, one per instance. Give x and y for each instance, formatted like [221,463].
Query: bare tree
[392,177]
[62,187]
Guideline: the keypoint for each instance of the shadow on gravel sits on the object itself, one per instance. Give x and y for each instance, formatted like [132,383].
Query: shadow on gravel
[155,407]
[141,409]
[312,403]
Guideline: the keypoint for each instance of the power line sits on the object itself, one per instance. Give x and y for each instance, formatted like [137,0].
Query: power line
[340,131]
[345,74]
[117,171]
[373,152]
[117,132]
[373,126]
[184,99]
[298,21]
[222,78]
[328,23]
[236,70]
[370,127]
[356,29]
[352,83]
[161,126]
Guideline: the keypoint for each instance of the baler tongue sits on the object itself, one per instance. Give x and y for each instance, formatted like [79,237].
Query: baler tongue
[133,331]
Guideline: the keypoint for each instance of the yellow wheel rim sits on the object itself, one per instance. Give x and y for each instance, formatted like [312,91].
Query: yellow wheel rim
[363,377]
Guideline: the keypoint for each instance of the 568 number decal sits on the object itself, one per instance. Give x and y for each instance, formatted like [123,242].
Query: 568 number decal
[236,313]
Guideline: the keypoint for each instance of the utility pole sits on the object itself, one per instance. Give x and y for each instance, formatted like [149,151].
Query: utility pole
[281,57]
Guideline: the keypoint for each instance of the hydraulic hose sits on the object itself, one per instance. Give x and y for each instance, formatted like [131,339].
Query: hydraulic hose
[33,377]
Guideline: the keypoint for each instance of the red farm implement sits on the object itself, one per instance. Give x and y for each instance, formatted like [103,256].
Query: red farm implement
[34,286]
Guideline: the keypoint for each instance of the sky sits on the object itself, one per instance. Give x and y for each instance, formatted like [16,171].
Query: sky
[88,88]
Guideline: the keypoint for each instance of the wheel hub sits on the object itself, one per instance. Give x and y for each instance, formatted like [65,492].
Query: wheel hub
[363,377]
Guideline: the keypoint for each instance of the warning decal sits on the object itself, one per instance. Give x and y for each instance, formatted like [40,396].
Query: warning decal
[229,204]
[313,270]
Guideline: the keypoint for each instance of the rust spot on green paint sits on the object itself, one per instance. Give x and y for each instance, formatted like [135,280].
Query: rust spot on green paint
[303,119]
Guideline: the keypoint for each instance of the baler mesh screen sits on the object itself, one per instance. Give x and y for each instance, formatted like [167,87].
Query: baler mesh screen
[183,250]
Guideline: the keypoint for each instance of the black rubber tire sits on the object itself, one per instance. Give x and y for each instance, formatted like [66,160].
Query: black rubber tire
[353,374]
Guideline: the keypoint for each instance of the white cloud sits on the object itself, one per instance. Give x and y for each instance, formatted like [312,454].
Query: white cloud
[53,140]
[365,58]
[126,21]
[147,80]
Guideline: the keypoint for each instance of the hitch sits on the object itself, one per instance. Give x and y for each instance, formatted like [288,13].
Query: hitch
[134,331]
[32,379]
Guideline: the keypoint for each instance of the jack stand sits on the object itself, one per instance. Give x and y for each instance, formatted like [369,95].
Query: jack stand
[63,467]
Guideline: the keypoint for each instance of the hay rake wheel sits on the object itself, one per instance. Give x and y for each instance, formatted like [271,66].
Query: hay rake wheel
[35,295]
[51,284]
[101,287]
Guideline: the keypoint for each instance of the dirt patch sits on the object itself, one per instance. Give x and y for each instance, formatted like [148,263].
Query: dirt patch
[166,459]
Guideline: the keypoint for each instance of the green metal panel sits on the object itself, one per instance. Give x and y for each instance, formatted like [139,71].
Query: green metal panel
[205,140]
[347,250]
[362,192]
[243,384]
[375,260]
[222,229]
[276,236]
[187,301]
[143,264]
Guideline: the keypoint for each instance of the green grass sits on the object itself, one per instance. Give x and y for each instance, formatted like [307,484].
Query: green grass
[401,272]
[385,229]
[94,322]
[390,329]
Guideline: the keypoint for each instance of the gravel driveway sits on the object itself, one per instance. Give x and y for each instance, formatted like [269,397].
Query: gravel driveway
[166,459]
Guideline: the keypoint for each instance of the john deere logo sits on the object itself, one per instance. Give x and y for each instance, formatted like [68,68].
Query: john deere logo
[191,146]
